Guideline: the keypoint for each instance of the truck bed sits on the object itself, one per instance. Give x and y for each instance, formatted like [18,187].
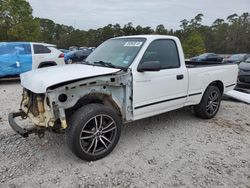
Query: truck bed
[201,74]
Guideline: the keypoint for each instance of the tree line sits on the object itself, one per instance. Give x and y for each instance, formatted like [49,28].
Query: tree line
[223,36]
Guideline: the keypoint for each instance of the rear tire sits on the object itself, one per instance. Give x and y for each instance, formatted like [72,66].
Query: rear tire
[210,103]
[93,131]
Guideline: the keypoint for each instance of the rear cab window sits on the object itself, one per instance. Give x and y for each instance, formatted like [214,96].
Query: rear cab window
[40,49]
[164,51]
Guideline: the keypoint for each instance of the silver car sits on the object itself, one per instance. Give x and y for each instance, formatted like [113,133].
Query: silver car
[244,74]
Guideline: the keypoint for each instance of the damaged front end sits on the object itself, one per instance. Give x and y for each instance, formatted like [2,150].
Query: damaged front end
[43,114]
[48,110]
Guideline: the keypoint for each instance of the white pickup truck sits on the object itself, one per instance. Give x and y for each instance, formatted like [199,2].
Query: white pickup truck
[123,80]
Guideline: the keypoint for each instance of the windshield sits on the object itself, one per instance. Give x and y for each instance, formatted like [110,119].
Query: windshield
[116,53]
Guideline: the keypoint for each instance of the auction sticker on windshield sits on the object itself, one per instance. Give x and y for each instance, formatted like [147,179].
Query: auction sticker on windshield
[133,44]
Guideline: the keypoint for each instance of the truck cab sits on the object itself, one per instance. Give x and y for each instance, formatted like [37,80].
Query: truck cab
[161,74]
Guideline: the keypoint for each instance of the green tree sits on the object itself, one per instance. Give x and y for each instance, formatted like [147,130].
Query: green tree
[238,34]
[196,21]
[107,32]
[16,21]
[193,45]
[233,17]
[128,29]
[47,30]
[117,30]
[160,29]
[184,24]
[139,30]
[219,33]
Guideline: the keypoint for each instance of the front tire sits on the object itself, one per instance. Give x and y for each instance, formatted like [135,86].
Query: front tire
[210,103]
[93,131]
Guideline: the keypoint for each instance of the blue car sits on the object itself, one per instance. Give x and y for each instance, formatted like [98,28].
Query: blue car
[76,55]
[15,58]
[20,57]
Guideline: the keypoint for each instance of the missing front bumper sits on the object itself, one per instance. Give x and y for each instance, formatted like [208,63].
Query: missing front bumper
[24,132]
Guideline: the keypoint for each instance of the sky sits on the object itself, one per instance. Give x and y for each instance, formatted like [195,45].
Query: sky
[93,14]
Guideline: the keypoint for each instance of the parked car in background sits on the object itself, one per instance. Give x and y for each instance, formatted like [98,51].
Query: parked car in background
[92,48]
[224,56]
[77,56]
[73,48]
[208,57]
[83,48]
[236,58]
[20,57]
[87,48]
[244,74]
[64,51]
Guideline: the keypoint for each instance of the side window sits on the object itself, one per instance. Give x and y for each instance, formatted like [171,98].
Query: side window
[164,51]
[25,49]
[40,49]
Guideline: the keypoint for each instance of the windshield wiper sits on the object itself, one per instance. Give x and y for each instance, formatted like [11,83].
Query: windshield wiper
[106,64]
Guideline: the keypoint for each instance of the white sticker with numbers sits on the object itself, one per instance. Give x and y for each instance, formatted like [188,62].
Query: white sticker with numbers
[133,44]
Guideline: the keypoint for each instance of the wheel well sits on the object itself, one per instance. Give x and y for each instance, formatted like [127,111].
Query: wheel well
[96,98]
[47,64]
[218,84]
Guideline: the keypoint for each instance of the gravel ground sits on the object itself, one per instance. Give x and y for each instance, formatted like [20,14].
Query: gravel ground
[174,149]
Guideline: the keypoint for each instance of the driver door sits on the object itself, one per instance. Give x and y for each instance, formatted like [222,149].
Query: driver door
[164,90]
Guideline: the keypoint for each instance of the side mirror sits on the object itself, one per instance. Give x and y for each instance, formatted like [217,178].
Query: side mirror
[149,66]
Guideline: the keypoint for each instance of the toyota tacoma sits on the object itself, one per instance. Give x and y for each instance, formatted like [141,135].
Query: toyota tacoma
[125,79]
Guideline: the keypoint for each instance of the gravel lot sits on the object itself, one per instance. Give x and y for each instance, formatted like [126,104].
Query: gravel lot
[174,149]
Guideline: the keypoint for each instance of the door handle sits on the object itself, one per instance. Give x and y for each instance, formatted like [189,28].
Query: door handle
[180,77]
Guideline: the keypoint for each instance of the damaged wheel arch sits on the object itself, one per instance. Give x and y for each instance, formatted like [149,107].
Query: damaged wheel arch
[97,98]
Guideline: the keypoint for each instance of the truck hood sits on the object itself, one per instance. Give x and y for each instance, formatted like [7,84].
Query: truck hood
[39,80]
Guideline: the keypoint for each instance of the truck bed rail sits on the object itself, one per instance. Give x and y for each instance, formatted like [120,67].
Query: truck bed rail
[195,64]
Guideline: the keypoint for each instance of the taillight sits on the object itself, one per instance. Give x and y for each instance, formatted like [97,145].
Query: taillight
[61,55]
